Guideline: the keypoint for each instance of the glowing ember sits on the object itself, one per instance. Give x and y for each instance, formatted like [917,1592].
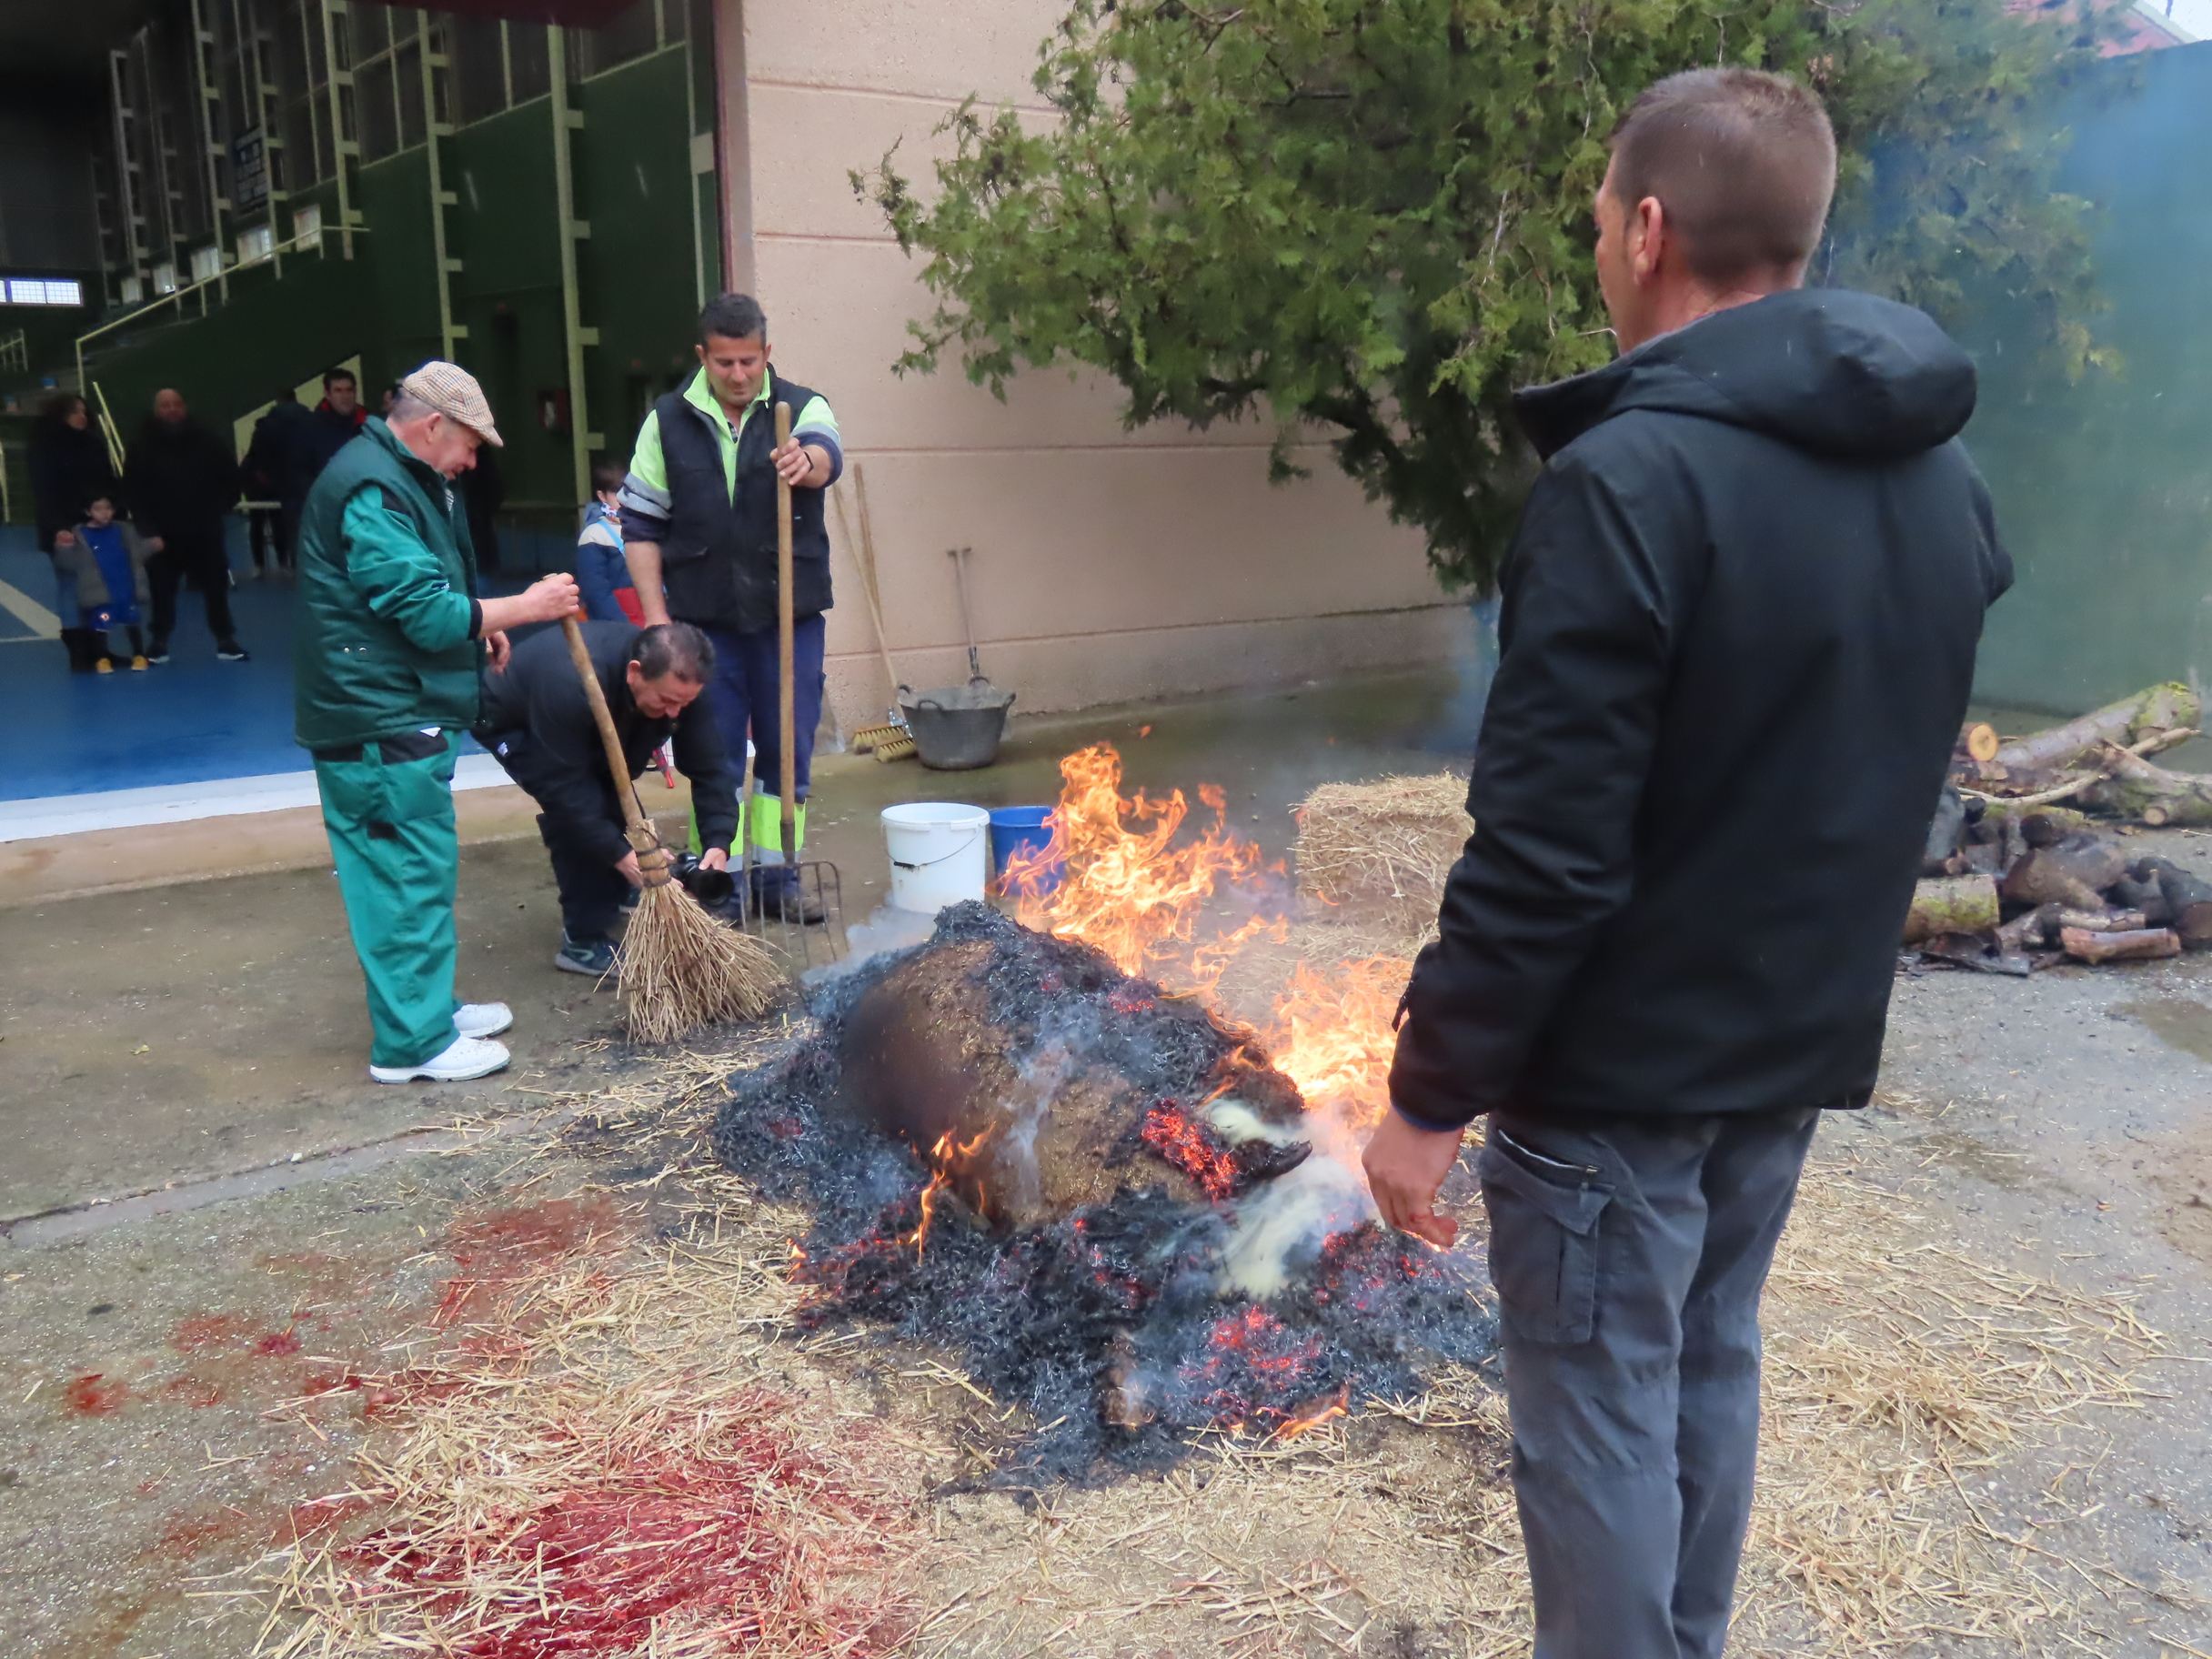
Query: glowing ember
[1170,1133]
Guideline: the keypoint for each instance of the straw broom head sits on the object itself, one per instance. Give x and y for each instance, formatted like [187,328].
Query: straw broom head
[681,971]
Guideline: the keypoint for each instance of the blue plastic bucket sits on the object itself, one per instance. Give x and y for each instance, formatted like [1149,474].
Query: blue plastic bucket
[1021,831]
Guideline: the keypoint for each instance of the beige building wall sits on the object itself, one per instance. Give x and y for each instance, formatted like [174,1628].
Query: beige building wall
[1106,565]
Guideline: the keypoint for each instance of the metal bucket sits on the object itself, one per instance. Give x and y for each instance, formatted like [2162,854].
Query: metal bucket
[957,728]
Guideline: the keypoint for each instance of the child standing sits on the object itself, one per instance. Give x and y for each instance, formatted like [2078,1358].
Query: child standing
[602,573]
[108,561]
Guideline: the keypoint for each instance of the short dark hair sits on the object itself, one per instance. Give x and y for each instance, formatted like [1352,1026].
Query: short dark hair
[734,316]
[673,648]
[285,394]
[1742,161]
[331,377]
[97,497]
[606,477]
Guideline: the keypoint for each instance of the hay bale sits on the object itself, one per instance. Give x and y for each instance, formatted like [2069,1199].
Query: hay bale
[1386,846]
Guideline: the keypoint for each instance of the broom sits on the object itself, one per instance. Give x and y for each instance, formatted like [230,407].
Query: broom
[679,970]
[891,740]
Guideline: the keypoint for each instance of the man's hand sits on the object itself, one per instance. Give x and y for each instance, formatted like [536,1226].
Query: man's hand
[628,865]
[546,600]
[500,649]
[795,464]
[1406,1164]
[714,857]
[154,544]
[551,598]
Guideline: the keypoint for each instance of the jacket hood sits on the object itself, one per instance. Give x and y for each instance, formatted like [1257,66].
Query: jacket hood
[1825,369]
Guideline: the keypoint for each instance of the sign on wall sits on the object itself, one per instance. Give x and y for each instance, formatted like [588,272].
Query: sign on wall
[249,171]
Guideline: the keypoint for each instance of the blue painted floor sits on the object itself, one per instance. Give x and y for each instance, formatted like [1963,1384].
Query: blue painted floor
[194,721]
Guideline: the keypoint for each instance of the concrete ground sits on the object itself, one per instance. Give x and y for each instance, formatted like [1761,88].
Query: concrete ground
[171,1272]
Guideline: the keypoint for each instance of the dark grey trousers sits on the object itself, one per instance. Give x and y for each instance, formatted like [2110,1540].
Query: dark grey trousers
[1629,1256]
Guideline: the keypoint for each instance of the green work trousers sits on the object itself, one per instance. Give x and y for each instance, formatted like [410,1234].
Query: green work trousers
[389,815]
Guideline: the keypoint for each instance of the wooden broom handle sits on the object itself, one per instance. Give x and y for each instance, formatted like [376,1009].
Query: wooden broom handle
[786,649]
[642,837]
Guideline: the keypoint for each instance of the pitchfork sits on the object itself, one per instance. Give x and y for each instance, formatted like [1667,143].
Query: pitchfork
[816,880]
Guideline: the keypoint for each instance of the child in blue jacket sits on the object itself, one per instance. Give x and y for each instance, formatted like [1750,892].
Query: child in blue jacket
[602,573]
[108,560]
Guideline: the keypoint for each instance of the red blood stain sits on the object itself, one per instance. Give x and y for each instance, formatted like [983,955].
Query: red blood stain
[497,1248]
[525,1237]
[278,1342]
[146,1489]
[192,1535]
[319,1383]
[201,1332]
[95,1395]
[199,1392]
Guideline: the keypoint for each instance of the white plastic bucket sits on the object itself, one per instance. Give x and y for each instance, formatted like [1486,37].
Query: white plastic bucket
[940,853]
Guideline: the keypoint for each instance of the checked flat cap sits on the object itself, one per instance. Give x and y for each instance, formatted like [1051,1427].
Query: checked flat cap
[454,392]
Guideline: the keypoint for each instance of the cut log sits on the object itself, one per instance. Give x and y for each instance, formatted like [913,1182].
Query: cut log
[2143,894]
[2152,794]
[1944,854]
[2102,921]
[1952,904]
[2147,713]
[2074,873]
[1997,812]
[2029,930]
[1978,740]
[2146,945]
[2186,900]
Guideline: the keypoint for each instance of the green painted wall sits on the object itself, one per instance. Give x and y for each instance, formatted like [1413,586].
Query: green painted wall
[636,276]
[2103,490]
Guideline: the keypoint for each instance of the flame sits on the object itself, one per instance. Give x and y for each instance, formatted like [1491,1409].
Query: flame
[947,1159]
[1338,1405]
[1128,888]
[1331,1034]
[1132,891]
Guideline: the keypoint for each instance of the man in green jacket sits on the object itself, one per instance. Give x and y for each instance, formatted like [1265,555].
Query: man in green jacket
[390,644]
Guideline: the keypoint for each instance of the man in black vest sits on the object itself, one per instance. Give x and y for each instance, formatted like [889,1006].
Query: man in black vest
[698,527]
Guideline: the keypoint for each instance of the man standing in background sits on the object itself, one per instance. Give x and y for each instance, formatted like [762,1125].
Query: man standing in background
[338,418]
[390,646]
[1754,538]
[182,485]
[698,528]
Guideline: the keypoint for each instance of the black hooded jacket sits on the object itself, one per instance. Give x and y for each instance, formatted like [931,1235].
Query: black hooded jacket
[1739,625]
[536,721]
[181,480]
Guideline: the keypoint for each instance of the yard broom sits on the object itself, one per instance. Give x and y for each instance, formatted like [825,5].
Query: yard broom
[679,969]
[891,740]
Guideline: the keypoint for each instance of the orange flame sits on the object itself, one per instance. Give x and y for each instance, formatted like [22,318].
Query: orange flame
[948,1160]
[1132,892]
[1128,888]
[1338,1405]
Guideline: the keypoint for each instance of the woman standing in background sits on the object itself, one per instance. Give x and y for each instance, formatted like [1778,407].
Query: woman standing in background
[70,468]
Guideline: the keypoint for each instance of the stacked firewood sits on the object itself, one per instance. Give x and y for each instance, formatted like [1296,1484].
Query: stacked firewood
[2018,875]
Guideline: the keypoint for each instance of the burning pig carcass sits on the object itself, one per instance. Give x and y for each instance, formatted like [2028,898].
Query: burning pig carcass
[1103,1195]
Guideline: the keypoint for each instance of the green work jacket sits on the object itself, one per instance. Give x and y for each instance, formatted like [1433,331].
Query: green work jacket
[387,630]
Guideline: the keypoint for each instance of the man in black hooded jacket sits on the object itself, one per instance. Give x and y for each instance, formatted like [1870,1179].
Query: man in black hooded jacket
[182,483]
[1742,610]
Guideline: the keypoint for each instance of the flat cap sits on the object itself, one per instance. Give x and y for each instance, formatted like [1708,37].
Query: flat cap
[454,392]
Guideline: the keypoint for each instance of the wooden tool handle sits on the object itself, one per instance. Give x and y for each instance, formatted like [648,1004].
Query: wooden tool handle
[868,579]
[642,839]
[786,648]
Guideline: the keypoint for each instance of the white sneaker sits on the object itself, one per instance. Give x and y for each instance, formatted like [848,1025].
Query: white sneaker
[465,1058]
[482,1019]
